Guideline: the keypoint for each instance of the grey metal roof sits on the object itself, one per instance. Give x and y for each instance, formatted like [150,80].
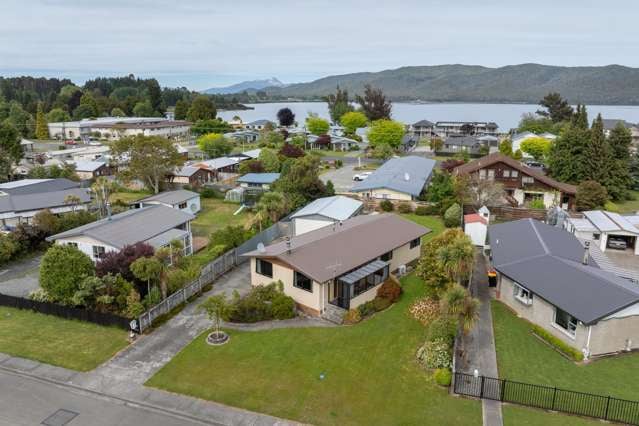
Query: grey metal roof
[610,222]
[423,123]
[363,272]
[131,226]
[337,207]
[186,171]
[35,186]
[548,261]
[218,163]
[405,174]
[262,178]
[261,122]
[166,237]
[171,197]
[611,123]
[87,166]
[253,153]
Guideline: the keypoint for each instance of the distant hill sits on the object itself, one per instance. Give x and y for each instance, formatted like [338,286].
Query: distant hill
[252,85]
[525,83]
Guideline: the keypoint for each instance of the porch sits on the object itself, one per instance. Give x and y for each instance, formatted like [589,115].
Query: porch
[356,287]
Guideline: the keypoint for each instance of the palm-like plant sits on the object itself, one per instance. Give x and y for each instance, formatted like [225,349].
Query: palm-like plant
[273,205]
[457,302]
[457,257]
[469,314]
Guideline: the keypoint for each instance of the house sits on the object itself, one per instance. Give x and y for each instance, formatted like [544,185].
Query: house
[85,153]
[222,167]
[518,138]
[258,180]
[423,129]
[610,124]
[191,175]
[323,212]
[156,225]
[401,178]
[444,129]
[606,229]
[87,170]
[332,142]
[253,154]
[522,184]
[181,199]
[21,200]
[476,226]
[114,128]
[258,125]
[342,265]
[243,136]
[548,277]
[473,145]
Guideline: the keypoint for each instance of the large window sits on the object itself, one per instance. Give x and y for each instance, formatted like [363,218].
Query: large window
[415,243]
[182,205]
[98,252]
[302,281]
[370,281]
[566,321]
[522,294]
[263,267]
[387,256]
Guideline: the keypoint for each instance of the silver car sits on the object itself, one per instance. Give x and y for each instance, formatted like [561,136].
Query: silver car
[617,243]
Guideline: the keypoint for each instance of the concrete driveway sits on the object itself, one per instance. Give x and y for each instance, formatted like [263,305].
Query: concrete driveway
[21,277]
[342,178]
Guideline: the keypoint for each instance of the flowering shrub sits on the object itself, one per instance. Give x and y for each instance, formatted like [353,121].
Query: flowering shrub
[435,354]
[425,310]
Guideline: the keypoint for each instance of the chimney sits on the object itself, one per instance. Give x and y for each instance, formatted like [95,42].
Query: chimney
[288,245]
[586,252]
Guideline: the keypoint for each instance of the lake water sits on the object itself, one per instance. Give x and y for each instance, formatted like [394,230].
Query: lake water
[505,115]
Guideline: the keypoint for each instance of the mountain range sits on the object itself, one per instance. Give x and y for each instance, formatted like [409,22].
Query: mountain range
[524,83]
[252,85]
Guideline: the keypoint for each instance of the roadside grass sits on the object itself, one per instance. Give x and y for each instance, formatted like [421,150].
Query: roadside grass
[72,344]
[435,223]
[216,214]
[629,206]
[522,357]
[514,415]
[370,373]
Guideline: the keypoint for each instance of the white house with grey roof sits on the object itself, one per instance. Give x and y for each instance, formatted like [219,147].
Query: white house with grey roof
[156,225]
[400,178]
[323,212]
[549,278]
[604,228]
[181,199]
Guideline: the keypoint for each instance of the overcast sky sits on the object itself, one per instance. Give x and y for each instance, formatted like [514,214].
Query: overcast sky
[200,44]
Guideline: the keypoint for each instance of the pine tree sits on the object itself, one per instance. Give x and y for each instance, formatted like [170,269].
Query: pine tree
[566,158]
[181,108]
[597,158]
[620,162]
[42,129]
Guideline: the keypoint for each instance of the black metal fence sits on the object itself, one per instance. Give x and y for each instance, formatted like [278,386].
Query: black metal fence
[67,312]
[548,398]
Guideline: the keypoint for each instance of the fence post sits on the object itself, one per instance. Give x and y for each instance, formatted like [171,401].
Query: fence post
[503,390]
[481,390]
[554,395]
[607,406]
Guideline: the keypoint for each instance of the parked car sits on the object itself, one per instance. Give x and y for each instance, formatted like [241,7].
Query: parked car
[361,176]
[617,243]
[70,142]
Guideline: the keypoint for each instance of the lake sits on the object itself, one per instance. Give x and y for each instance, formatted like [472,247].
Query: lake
[505,115]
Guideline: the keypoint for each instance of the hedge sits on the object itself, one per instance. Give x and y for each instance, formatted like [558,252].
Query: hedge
[558,344]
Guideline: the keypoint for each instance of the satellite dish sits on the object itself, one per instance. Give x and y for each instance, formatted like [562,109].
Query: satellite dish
[260,247]
[406,177]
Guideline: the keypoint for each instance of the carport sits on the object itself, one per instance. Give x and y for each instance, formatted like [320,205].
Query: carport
[613,227]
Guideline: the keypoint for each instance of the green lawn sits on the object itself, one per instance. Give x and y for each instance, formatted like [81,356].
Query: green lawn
[71,344]
[522,357]
[523,416]
[216,214]
[629,206]
[128,197]
[371,376]
[435,223]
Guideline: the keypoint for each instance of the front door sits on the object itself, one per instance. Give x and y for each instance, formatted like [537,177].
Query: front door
[340,294]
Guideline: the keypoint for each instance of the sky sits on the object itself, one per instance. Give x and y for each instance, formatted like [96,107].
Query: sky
[212,43]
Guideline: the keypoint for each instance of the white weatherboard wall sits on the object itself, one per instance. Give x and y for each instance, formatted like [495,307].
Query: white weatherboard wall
[386,194]
[193,205]
[477,233]
[85,245]
[303,225]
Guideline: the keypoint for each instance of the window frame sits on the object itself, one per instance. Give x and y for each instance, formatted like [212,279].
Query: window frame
[416,242]
[297,274]
[387,257]
[183,205]
[522,294]
[571,323]
[258,267]
[98,252]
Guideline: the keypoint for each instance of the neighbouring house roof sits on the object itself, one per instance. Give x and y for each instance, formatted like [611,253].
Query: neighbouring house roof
[253,153]
[186,171]
[261,178]
[87,166]
[606,221]
[404,174]
[34,186]
[336,207]
[131,226]
[498,157]
[145,125]
[582,225]
[326,253]
[548,261]
[423,123]
[23,202]
[170,197]
[611,123]
[258,123]
[219,163]
[468,141]
[475,218]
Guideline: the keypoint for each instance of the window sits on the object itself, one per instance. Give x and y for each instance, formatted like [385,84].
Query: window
[491,174]
[482,174]
[73,245]
[302,281]
[566,322]
[182,205]
[263,267]
[506,173]
[522,294]
[595,236]
[514,173]
[415,243]
[527,179]
[98,252]
[387,256]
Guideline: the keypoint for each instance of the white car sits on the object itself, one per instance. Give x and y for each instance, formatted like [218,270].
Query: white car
[361,176]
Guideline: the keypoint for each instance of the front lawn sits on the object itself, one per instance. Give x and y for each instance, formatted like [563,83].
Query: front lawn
[370,373]
[128,196]
[629,206]
[522,357]
[215,215]
[435,223]
[71,344]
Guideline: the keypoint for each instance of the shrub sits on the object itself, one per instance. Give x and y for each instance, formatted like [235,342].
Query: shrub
[612,207]
[366,309]
[282,307]
[405,208]
[381,303]
[452,216]
[229,237]
[421,211]
[8,248]
[339,164]
[262,303]
[558,344]
[442,329]
[40,295]
[153,298]
[537,204]
[425,310]
[62,269]
[590,195]
[386,205]
[390,290]
[352,317]
[443,377]
[134,307]
[119,262]
[435,354]
[209,193]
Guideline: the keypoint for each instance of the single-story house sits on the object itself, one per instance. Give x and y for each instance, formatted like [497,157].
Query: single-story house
[191,175]
[606,228]
[243,136]
[180,199]
[472,145]
[342,265]
[518,138]
[335,143]
[401,178]
[87,170]
[21,200]
[548,277]
[156,225]
[323,212]
[258,125]
[610,124]
[522,184]
[258,180]
[223,167]
[476,226]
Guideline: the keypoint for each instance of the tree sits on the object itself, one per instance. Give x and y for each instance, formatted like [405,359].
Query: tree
[566,159]
[202,108]
[452,216]
[591,195]
[506,147]
[119,262]
[57,115]
[73,201]
[291,151]
[436,144]
[374,104]
[46,222]
[330,188]
[457,256]
[479,192]
[215,145]
[286,117]
[21,120]
[102,188]
[251,166]
[269,160]
[62,269]
[459,304]
[387,132]
[619,142]
[83,111]
[181,109]
[42,130]
[556,108]
[154,94]
[352,121]
[147,269]
[150,158]
[10,142]
[273,204]
[143,109]
[532,123]
[213,125]
[117,112]
[597,156]
[317,126]
[216,308]
[338,104]
[383,151]
[537,147]
[89,101]
[300,182]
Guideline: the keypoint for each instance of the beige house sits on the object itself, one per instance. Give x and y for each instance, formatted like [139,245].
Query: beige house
[341,265]
[547,276]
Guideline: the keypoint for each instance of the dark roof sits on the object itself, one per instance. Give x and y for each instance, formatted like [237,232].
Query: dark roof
[34,186]
[403,174]
[498,157]
[41,200]
[354,243]
[261,178]
[611,123]
[170,197]
[548,261]
[423,123]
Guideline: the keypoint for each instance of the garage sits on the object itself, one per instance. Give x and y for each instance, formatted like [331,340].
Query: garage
[613,231]
[620,242]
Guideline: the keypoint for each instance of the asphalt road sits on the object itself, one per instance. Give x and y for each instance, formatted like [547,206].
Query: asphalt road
[28,401]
